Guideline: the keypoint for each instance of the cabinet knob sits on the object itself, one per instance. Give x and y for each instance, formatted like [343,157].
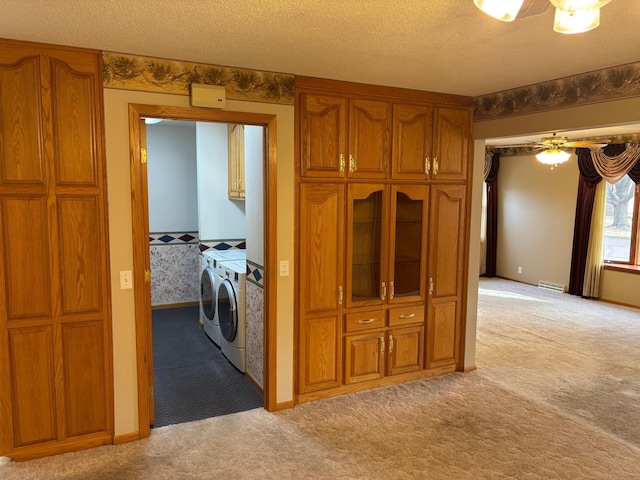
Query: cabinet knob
[407,315]
[367,321]
[435,165]
[427,166]
[342,163]
[384,291]
[390,344]
[352,164]
[392,292]
[431,286]
[382,345]
[340,295]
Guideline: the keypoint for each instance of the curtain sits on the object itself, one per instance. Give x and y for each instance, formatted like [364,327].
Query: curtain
[593,265]
[615,161]
[491,180]
[589,179]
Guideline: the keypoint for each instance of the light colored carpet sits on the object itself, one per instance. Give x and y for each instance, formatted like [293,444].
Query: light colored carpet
[555,397]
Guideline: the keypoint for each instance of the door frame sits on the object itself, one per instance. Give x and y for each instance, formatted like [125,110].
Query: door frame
[140,226]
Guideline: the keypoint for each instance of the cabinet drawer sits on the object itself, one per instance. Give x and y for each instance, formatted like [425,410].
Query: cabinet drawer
[406,315]
[354,322]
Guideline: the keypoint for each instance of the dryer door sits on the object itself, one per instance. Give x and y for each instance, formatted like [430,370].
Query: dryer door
[208,294]
[227,311]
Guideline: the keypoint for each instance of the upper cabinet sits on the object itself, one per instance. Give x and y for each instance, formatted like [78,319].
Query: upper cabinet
[430,143]
[236,161]
[344,137]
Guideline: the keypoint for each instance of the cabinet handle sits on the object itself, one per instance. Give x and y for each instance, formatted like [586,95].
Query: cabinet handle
[427,165]
[435,166]
[364,322]
[340,295]
[342,163]
[384,291]
[352,164]
[408,315]
[390,344]
[392,292]
[431,286]
[382,345]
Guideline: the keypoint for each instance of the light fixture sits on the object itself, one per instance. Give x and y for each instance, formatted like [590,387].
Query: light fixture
[576,21]
[553,156]
[572,16]
[505,10]
[152,121]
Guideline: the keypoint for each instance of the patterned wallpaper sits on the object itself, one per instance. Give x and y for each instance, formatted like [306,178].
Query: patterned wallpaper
[594,87]
[132,72]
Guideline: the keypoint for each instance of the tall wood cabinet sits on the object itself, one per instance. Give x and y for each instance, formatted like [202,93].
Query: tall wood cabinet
[56,388]
[381,235]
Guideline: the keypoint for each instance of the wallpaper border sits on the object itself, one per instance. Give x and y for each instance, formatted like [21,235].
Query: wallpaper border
[613,83]
[133,72]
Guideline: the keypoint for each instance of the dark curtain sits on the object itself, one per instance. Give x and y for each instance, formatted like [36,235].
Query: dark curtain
[589,179]
[492,216]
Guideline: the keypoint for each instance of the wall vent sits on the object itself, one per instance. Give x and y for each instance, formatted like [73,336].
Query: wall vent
[554,287]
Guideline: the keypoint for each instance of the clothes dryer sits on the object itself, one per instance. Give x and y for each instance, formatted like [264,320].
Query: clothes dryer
[232,312]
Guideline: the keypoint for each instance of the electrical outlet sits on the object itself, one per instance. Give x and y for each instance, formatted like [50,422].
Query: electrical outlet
[125,280]
[520,270]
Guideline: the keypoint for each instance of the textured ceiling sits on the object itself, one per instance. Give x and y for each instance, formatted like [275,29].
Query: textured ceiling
[435,45]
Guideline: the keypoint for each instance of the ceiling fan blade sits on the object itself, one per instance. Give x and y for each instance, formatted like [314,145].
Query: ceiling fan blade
[533,7]
[585,143]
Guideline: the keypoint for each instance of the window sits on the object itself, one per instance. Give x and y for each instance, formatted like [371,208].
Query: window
[621,229]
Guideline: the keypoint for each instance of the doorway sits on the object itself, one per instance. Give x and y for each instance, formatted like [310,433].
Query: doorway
[140,221]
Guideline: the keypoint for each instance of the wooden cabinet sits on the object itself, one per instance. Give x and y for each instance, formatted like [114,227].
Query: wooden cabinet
[430,143]
[320,286]
[445,272]
[386,244]
[55,322]
[381,234]
[236,183]
[344,137]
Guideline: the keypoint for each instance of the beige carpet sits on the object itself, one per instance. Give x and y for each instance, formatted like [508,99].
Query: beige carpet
[555,397]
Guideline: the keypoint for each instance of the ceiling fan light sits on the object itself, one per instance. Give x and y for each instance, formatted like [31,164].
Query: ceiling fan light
[504,10]
[553,156]
[576,21]
[575,5]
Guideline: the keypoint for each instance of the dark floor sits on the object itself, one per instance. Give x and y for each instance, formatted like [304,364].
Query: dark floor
[192,378]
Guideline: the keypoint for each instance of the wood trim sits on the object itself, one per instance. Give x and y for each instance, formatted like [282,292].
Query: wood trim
[470,368]
[65,446]
[175,305]
[382,382]
[126,438]
[283,406]
[618,267]
[391,94]
[141,241]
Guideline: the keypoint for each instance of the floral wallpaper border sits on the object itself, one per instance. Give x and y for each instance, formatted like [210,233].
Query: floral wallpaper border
[133,72]
[594,87]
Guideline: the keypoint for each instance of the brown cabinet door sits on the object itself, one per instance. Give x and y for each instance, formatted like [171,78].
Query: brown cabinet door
[445,270]
[321,240]
[450,157]
[367,233]
[364,357]
[55,322]
[323,135]
[406,350]
[412,142]
[408,243]
[369,139]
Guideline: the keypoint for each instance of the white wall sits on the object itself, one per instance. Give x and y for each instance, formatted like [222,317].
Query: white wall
[171,173]
[218,217]
[536,212]
[254,187]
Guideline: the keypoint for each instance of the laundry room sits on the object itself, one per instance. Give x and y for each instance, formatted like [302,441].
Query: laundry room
[206,234]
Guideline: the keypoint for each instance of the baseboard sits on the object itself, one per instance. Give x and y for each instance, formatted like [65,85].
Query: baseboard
[283,406]
[175,305]
[621,304]
[126,438]
[470,368]
[253,382]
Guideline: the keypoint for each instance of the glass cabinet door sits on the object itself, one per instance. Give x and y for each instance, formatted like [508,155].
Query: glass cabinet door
[408,243]
[367,244]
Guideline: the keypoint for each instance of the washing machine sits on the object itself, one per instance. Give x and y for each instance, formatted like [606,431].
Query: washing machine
[210,279]
[231,308]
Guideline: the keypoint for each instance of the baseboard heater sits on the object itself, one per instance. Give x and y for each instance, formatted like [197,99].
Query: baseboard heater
[554,287]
